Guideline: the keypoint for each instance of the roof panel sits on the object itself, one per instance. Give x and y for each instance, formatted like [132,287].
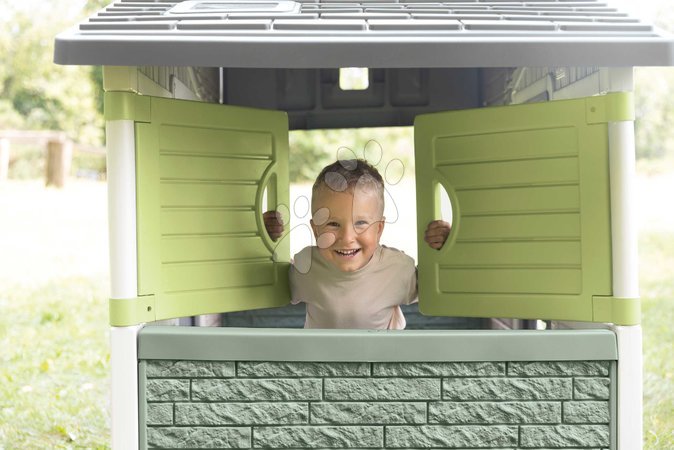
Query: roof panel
[371,33]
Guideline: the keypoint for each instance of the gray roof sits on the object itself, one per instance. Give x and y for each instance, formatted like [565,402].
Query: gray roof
[364,33]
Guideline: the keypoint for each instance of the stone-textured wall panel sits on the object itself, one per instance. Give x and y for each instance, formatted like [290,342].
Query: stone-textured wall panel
[494,412]
[586,412]
[559,405]
[199,437]
[561,436]
[257,390]
[436,436]
[382,389]
[558,368]
[450,369]
[591,388]
[166,390]
[241,413]
[190,369]
[507,389]
[306,369]
[368,413]
[318,437]
[160,414]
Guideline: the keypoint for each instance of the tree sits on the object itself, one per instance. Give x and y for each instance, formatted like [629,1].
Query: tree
[310,151]
[34,92]
[654,90]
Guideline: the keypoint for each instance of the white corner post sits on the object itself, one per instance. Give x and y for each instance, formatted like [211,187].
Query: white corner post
[121,165]
[624,236]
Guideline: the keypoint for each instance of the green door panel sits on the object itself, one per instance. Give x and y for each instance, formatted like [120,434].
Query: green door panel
[199,194]
[198,221]
[530,194]
[202,172]
[211,168]
[177,249]
[216,275]
[176,139]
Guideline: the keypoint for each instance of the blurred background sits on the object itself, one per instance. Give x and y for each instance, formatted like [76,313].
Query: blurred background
[54,356]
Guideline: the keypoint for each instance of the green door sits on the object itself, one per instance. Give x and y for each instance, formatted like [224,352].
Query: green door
[202,173]
[529,187]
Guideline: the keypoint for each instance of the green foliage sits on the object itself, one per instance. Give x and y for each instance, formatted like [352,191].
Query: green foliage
[9,117]
[37,94]
[310,151]
[96,75]
[654,90]
[88,165]
[27,162]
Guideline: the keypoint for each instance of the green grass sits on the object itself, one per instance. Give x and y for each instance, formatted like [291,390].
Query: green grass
[54,366]
[54,352]
[657,290]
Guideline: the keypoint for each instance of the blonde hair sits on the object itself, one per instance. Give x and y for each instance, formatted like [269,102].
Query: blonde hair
[347,175]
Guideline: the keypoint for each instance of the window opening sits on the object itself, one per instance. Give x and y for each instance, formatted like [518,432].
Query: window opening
[354,78]
[445,204]
[390,150]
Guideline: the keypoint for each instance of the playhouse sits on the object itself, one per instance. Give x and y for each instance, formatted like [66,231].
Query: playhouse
[523,114]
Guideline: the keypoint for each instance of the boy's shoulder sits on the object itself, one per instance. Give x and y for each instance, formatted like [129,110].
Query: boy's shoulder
[393,255]
[306,251]
[303,259]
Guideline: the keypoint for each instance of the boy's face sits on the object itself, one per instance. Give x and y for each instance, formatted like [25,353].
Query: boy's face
[347,226]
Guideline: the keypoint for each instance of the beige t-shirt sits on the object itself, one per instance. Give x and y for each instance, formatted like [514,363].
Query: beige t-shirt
[367,298]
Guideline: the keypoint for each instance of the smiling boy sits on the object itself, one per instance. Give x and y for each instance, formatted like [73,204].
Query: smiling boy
[349,280]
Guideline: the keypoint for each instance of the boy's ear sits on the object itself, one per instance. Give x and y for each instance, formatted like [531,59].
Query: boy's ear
[381,224]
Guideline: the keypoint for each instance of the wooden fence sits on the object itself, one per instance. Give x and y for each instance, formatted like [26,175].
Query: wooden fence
[59,152]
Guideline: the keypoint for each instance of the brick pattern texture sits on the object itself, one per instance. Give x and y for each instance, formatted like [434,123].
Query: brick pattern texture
[308,405]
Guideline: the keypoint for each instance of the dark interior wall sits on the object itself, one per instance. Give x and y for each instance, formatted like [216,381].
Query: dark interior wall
[292,316]
[314,99]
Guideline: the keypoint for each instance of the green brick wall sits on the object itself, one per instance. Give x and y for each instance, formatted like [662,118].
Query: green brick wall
[450,405]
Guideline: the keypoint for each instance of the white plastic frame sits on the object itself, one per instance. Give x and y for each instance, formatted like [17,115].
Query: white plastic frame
[626,283]
[624,236]
[121,166]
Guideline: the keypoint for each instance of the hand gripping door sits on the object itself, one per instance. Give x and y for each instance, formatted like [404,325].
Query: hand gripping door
[202,172]
[530,194]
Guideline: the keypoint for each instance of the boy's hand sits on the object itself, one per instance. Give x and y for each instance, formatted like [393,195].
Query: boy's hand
[436,233]
[273,222]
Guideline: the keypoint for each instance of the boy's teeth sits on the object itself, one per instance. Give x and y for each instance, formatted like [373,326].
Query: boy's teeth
[347,252]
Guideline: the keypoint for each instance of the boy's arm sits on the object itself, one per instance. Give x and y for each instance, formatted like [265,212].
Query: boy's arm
[273,222]
[436,233]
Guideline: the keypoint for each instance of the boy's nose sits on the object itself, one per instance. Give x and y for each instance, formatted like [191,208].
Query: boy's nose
[348,234]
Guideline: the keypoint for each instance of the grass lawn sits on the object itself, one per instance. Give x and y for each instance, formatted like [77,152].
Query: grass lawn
[656,278]
[54,357]
[657,289]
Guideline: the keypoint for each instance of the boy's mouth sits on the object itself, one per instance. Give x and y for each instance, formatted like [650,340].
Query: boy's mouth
[347,252]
